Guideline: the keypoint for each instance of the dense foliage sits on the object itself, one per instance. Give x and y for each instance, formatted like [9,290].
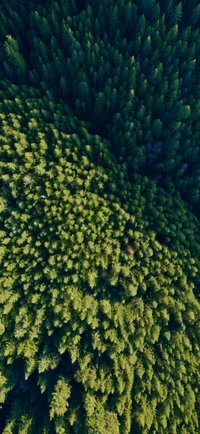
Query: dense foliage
[99,228]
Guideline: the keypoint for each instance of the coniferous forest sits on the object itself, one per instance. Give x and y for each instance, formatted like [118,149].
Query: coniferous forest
[100,217]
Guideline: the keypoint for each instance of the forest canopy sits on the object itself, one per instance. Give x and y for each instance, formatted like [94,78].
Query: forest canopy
[99,226]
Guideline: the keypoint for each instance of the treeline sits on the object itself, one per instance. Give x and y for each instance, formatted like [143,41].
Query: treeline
[100,240]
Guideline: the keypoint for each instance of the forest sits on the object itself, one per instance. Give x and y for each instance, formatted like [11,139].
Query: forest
[99,217]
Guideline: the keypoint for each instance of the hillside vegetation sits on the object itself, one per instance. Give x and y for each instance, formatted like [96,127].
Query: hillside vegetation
[99,226]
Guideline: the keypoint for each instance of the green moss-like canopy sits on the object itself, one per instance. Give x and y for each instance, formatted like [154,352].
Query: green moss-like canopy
[100,242]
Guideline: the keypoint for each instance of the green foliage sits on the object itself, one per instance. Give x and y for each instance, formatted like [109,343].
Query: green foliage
[59,402]
[99,207]
[16,60]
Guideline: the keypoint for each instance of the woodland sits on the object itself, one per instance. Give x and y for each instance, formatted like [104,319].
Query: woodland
[99,217]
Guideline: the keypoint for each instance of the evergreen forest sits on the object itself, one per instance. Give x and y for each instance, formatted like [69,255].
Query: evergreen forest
[99,217]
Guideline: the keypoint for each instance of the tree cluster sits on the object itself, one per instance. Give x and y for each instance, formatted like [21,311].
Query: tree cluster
[99,228]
